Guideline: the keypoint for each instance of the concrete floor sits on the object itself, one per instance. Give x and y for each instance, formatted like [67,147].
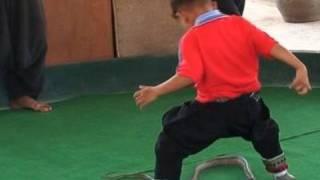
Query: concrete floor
[297,37]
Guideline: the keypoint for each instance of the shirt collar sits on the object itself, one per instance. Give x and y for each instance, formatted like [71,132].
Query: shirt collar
[208,16]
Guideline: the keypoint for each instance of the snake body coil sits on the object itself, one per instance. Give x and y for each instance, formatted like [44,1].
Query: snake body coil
[225,161]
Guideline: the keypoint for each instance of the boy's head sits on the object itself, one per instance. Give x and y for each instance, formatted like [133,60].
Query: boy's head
[186,11]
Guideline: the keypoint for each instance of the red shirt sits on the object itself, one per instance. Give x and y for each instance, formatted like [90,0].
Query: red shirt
[221,56]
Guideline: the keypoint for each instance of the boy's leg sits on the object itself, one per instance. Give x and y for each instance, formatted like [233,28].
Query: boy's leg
[169,158]
[187,130]
[265,139]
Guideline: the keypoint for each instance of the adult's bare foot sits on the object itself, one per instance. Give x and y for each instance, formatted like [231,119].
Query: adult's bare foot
[27,102]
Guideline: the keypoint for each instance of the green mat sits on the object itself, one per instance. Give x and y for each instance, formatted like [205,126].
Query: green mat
[90,137]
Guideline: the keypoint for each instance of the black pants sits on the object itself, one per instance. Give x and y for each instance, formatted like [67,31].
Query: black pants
[190,128]
[232,7]
[23,47]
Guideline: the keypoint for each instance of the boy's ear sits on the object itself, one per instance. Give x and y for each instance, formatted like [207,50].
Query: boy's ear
[175,15]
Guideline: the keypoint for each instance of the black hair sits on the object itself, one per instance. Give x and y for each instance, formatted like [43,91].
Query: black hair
[177,4]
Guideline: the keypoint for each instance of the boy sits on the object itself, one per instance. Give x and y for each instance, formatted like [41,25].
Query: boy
[23,49]
[219,55]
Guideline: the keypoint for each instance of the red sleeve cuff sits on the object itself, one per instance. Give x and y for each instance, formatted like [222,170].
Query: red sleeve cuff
[269,46]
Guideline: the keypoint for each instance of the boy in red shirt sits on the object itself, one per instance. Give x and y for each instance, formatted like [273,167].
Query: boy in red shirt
[220,56]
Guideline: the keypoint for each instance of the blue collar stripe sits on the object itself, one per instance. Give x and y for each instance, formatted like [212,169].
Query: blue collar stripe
[208,16]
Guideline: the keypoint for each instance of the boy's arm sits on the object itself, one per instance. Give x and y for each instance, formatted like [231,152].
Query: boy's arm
[301,82]
[266,46]
[189,71]
[148,94]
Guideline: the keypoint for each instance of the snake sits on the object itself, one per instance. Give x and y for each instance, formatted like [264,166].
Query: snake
[222,160]
[225,160]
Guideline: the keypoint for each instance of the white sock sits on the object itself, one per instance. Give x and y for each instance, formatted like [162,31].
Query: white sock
[282,173]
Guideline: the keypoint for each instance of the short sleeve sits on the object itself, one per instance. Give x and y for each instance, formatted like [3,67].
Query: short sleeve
[190,60]
[262,42]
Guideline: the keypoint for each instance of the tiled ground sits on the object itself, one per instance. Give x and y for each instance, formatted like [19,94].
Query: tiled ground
[298,37]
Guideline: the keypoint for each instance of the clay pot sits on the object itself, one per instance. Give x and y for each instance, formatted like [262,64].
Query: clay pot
[299,10]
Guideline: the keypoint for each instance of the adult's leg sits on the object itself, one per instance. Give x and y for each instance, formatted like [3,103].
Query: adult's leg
[229,7]
[5,42]
[241,5]
[26,69]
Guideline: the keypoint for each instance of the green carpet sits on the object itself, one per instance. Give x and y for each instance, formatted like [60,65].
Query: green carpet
[89,137]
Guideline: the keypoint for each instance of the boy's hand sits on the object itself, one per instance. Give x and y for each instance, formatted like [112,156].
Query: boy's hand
[301,83]
[145,96]
[148,94]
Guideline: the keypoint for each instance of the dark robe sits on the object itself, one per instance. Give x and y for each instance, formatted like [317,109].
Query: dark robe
[231,7]
[23,47]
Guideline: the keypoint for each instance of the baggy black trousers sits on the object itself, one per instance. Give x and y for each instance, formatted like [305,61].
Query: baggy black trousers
[231,7]
[192,127]
[23,47]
